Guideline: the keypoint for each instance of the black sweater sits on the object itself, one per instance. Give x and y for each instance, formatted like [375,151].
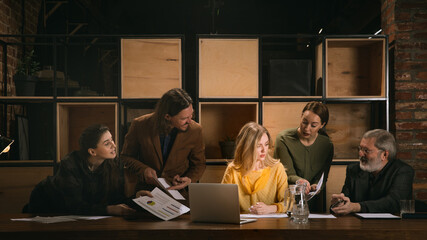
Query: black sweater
[74,189]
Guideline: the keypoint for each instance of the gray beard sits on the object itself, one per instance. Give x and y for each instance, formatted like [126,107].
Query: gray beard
[371,167]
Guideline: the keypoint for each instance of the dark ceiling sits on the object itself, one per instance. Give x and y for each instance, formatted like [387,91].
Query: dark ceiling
[213,16]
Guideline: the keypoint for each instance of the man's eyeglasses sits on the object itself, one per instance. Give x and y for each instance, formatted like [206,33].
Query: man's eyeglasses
[364,150]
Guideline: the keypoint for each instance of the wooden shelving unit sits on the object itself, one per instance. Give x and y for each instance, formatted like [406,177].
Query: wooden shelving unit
[346,73]
[73,118]
[150,67]
[266,79]
[221,120]
[278,116]
[93,79]
[228,68]
[355,68]
[347,123]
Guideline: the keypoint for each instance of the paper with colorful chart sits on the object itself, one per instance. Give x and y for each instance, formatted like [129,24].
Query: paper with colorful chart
[161,205]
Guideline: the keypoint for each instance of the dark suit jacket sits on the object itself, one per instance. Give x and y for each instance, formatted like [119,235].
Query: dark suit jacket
[142,149]
[383,192]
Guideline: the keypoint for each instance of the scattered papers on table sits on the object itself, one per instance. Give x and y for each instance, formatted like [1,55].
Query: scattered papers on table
[273,215]
[161,205]
[377,215]
[284,215]
[57,219]
[312,215]
[165,185]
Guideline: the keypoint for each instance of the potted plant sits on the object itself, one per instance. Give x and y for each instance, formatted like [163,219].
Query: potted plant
[25,79]
[227,146]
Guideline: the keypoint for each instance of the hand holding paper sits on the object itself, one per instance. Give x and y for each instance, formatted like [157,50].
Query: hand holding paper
[180,182]
[165,186]
[150,176]
[318,187]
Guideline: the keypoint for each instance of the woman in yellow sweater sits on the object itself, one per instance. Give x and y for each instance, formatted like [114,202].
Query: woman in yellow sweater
[262,180]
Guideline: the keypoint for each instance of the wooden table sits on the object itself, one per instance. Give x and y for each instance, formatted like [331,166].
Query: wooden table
[342,228]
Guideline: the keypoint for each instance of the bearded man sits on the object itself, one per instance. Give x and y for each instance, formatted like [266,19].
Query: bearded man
[378,182]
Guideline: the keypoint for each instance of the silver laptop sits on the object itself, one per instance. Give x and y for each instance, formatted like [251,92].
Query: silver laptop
[215,202]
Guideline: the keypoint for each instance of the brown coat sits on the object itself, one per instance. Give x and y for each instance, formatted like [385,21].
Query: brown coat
[142,149]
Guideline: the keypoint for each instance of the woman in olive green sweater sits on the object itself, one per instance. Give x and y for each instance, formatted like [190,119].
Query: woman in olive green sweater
[306,151]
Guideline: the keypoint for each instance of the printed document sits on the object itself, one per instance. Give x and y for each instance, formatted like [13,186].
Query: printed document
[272,215]
[57,219]
[318,187]
[161,205]
[376,215]
[164,185]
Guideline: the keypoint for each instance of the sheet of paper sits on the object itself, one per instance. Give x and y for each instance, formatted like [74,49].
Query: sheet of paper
[165,185]
[318,187]
[79,217]
[57,219]
[312,215]
[161,205]
[273,215]
[377,215]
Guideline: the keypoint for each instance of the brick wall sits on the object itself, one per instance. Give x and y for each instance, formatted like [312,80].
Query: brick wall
[405,21]
[12,22]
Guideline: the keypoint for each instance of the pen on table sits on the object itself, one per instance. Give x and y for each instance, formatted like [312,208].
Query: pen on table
[337,203]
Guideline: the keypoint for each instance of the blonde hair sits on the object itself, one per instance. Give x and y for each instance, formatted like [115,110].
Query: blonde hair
[245,155]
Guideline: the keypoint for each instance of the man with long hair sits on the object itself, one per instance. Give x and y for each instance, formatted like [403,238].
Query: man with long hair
[166,143]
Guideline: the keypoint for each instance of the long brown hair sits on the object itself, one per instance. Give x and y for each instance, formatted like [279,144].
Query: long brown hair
[245,155]
[111,170]
[320,110]
[171,103]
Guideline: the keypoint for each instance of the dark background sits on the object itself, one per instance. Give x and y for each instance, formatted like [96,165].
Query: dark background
[193,17]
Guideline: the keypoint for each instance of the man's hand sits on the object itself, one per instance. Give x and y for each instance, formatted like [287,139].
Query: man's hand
[262,208]
[180,182]
[342,205]
[143,193]
[150,176]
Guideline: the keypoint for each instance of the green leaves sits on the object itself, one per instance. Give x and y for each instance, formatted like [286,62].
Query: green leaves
[27,65]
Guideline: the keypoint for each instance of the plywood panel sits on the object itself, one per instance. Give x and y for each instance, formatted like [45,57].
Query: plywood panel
[228,68]
[62,131]
[150,67]
[335,182]
[16,184]
[356,68]
[133,113]
[213,174]
[347,124]
[73,118]
[319,70]
[280,116]
[221,120]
